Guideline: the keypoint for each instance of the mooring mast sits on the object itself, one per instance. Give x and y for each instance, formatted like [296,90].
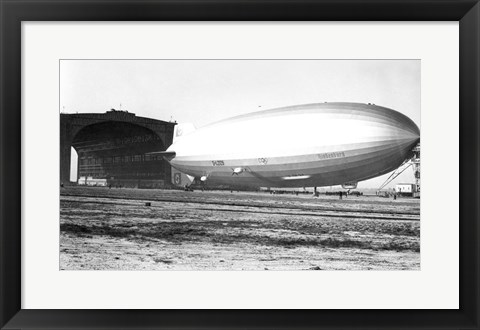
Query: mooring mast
[413,161]
[416,167]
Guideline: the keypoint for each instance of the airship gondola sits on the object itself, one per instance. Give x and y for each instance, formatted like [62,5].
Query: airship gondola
[309,145]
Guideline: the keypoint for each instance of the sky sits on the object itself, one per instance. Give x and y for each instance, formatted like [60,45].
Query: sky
[205,91]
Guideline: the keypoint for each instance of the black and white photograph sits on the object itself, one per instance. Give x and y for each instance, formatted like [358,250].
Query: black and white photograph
[240,164]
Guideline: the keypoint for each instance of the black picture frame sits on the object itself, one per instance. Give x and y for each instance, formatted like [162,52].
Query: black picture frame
[13,12]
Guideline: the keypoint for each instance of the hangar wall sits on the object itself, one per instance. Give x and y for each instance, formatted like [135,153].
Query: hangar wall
[113,148]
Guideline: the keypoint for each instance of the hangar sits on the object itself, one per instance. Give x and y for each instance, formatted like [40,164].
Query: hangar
[112,149]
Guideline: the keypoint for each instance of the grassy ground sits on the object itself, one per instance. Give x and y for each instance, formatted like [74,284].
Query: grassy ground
[113,229]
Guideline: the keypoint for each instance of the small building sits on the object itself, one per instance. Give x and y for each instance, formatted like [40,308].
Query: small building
[405,189]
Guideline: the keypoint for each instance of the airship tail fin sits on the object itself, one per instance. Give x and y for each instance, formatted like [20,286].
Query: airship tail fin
[167,155]
[182,130]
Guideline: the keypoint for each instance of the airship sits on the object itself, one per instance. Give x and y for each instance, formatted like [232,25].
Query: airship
[310,145]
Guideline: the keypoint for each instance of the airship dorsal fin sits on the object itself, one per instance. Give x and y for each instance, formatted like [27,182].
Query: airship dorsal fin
[182,130]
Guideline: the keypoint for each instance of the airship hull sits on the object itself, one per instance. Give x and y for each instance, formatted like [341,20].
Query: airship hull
[301,146]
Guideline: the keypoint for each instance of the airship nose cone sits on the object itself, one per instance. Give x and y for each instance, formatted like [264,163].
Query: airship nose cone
[409,130]
[413,130]
[402,127]
[406,134]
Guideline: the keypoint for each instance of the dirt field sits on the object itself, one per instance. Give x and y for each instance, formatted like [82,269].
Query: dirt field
[113,229]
